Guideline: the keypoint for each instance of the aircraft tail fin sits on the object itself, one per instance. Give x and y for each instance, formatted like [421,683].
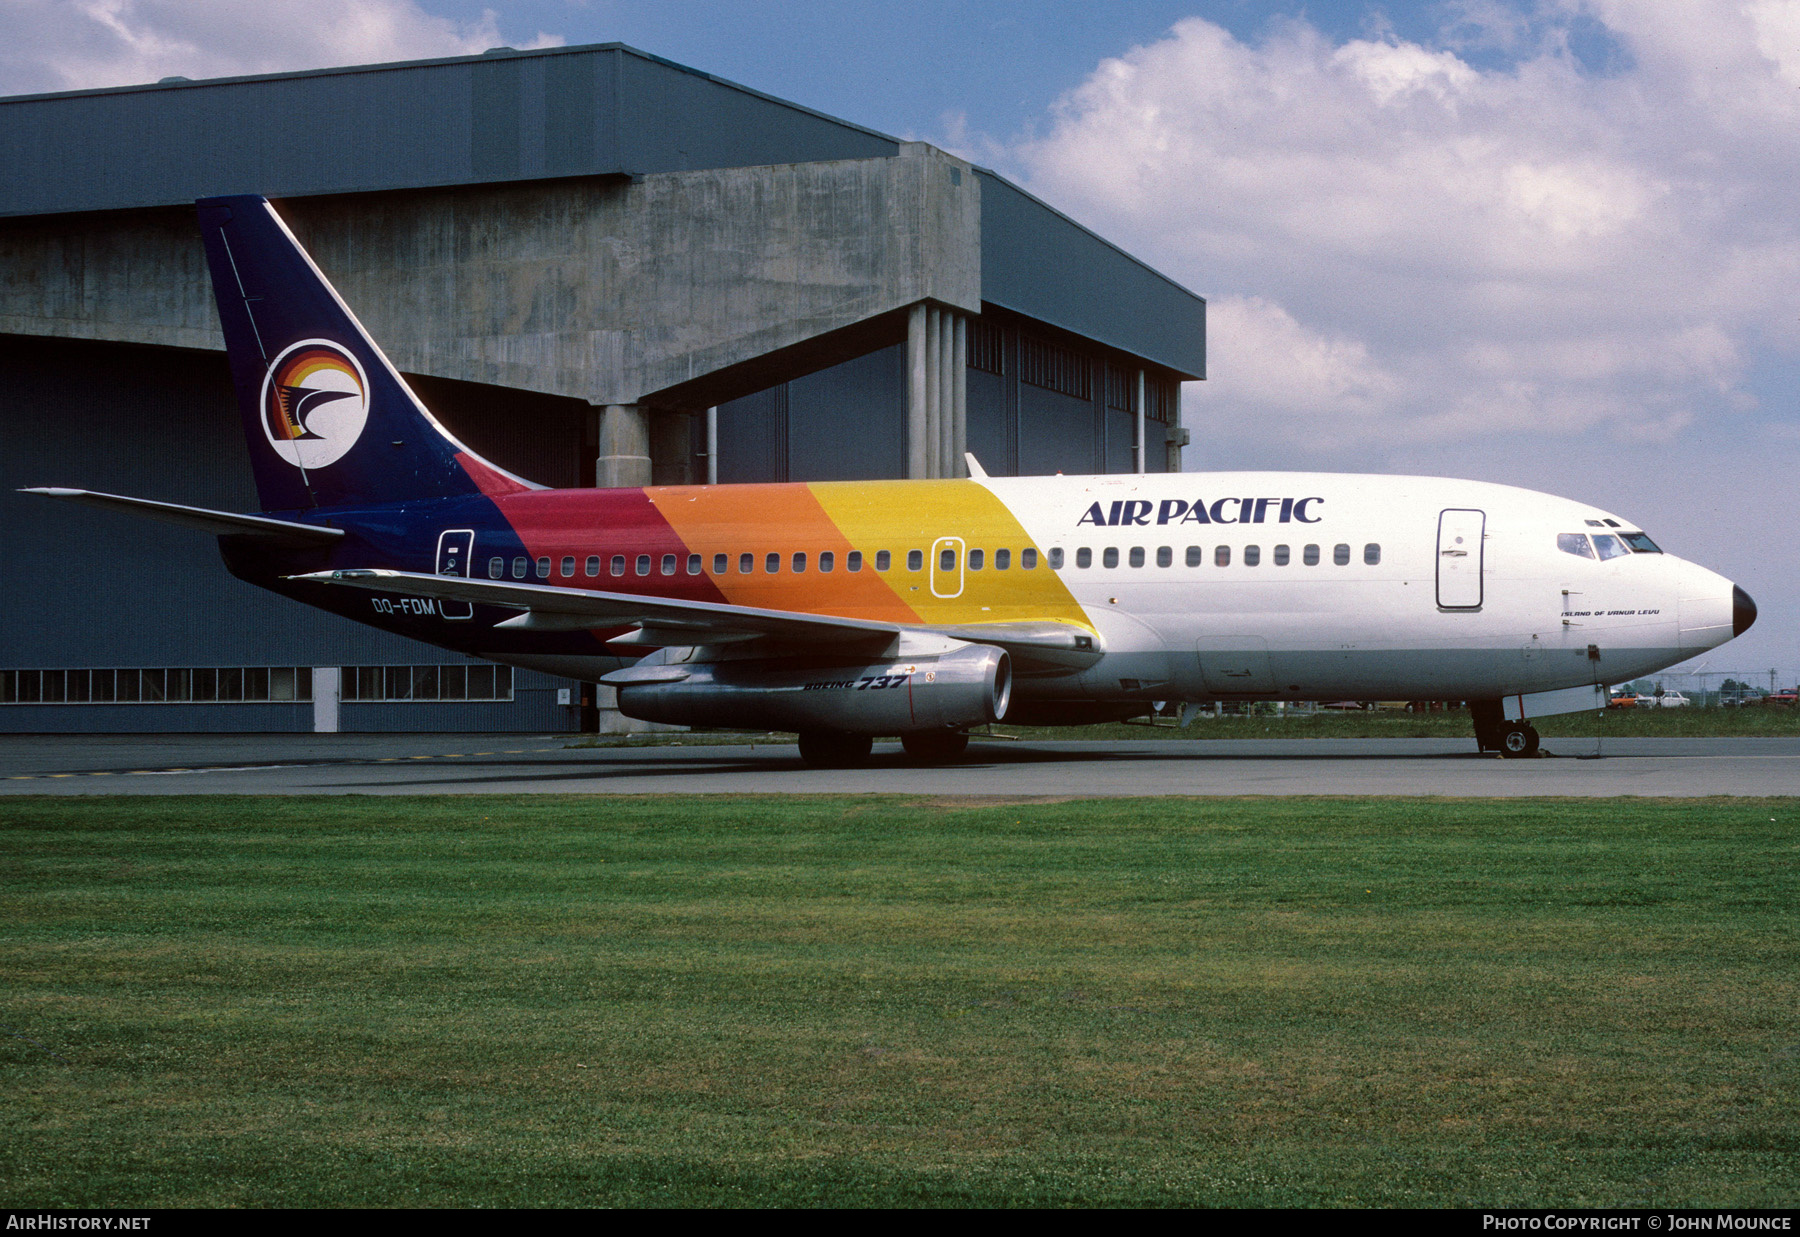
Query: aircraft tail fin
[329,421]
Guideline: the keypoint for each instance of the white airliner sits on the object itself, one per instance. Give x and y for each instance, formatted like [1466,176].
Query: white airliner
[848,610]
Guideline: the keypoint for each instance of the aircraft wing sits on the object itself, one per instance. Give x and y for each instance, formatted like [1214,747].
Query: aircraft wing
[664,621]
[223,523]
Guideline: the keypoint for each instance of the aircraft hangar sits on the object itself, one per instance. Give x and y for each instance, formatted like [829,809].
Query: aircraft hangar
[596,266]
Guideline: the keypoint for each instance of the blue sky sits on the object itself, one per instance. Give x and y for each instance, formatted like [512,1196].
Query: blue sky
[1543,242]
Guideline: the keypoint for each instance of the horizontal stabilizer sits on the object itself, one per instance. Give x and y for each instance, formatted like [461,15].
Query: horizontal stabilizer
[222,523]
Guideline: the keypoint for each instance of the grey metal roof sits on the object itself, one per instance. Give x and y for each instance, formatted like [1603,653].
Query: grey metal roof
[605,109]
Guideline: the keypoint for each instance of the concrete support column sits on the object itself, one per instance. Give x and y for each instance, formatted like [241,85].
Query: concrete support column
[959,396]
[918,369]
[712,445]
[937,398]
[934,392]
[1178,433]
[1142,448]
[624,437]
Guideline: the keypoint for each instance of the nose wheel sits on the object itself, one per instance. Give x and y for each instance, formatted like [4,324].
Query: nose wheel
[1518,740]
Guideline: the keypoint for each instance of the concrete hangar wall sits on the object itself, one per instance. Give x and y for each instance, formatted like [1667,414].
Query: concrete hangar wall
[574,254]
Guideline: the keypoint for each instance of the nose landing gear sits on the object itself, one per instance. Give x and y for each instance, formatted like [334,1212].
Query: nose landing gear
[1494,733]
[1519,739]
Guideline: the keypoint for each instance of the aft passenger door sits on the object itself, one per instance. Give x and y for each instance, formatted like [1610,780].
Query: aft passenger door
[1459,554]
[454,550]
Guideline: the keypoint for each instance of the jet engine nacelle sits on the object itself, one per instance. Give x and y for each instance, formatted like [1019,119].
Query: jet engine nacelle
[965,685]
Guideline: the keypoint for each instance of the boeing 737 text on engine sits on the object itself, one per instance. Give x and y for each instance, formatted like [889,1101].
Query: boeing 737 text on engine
[843,611]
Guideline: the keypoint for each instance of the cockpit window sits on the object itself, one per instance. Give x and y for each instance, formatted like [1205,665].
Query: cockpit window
[1609,546]
[1641,543]
[1575,543]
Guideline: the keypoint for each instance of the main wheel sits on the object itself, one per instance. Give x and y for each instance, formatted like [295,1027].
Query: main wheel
[833,749]
[935,747]
[1517,740]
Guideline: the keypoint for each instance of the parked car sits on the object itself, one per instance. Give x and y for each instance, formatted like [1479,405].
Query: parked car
[1786,699]
[1668,700]
[1626,700]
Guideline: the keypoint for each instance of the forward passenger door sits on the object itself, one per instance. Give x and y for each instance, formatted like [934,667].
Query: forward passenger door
[1459,558]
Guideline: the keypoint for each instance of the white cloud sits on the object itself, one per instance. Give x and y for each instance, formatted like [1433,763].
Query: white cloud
[74,44]
[1410,248]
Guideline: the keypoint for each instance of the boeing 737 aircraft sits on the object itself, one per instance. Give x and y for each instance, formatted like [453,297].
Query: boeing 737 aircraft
[843,611]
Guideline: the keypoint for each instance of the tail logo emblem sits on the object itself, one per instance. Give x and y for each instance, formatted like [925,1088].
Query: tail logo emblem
[315,402]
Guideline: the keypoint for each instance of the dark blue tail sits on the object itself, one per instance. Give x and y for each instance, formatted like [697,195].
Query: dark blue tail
[330,422]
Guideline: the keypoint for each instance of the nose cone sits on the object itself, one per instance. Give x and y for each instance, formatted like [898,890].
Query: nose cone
[1743,611]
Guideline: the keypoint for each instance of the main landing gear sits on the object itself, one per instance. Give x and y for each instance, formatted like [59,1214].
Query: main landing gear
[935,747]
[835,749]
[1494,733]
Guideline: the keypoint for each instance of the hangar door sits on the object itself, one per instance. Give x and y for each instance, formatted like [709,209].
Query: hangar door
[1459,559]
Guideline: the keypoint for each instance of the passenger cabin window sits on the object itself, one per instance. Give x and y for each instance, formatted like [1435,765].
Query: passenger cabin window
[721,563]
[1056,558]
[1340,554]
[518,569]
[643,564]
[915,560]
[799,560]
[1195,555]
[1002,559]
[1252,555]
[1110,556]
[771,563]
[1165,556]
[568,567]
[853,561]
[946,560]
[827,560]
[1084,557]
[1609,546]
[593,564]
[1372,554]
[668,564]
[1281,556]
[1575,543]
[1222,556]
[496,568]
[883,560]
[1028,560]
[618,564]
[1641,543]
[1310,556]
[543,569]
[746,564]
[693,565]
[1137,556]
[976,559]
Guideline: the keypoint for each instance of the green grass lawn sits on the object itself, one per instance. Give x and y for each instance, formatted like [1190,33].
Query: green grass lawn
[874,1000]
